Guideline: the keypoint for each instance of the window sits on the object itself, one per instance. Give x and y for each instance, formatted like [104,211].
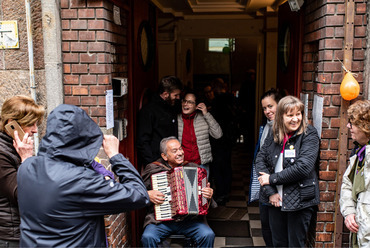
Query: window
[221,45]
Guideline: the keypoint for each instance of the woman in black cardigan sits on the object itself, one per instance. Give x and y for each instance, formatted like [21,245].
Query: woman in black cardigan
[288,169]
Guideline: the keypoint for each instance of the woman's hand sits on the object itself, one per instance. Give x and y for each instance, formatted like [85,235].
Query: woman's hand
[264,179]
[202,107]
[275,200]
[23,147]
[207,192]
[351,223]
[156,197]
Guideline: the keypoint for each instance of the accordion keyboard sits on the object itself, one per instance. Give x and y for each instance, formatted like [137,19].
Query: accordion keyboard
[160,183]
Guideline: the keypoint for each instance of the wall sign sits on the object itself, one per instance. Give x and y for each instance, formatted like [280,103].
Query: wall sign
[9,35]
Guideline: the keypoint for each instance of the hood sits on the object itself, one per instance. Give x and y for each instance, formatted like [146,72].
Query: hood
[71,136]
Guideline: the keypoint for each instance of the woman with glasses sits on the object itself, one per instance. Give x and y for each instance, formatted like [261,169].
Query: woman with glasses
[288,167]
[195,124]
[355,191]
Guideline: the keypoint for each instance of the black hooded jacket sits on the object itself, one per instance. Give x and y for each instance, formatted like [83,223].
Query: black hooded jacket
[62,201]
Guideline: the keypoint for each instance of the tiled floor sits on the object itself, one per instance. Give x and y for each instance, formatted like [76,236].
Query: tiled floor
[241,165]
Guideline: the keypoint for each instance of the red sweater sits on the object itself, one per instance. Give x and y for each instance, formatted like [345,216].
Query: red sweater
[189,140]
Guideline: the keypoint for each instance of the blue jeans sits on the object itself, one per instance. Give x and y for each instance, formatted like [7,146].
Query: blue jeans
[198,231]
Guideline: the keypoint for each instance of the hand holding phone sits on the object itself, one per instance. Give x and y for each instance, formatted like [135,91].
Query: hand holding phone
[14,126]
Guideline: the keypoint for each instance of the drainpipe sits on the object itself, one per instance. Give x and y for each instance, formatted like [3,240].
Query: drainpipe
[31,64]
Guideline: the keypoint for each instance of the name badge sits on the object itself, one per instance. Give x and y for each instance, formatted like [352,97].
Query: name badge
[289,153]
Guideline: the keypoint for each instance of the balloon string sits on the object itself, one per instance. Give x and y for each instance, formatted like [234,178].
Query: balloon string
[344,68]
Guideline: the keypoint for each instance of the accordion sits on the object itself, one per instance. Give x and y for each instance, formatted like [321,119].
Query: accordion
[182,189]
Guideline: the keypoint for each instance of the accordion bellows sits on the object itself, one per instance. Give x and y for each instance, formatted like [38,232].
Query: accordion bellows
[182,189]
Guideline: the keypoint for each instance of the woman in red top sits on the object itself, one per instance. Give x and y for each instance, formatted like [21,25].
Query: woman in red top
[194,128]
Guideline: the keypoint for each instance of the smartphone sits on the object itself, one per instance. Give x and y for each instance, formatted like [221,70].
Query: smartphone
[14,126]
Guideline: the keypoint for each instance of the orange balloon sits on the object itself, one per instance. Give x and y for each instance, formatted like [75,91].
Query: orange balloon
[349,88]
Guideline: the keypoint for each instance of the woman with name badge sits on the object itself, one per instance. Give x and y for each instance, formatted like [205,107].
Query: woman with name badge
[288,167]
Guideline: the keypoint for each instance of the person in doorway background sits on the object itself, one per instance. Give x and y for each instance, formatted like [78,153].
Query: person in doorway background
[28,114]
[355,189]
[158,120]
[269,101]
[194,129]
[288,167]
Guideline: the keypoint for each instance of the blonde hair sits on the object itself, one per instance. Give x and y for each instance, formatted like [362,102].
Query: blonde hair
[359,115]
[22,109]
[285,105]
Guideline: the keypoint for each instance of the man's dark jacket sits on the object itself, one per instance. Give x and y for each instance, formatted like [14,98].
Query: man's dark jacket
[299,176]
[62,201]
[156,120]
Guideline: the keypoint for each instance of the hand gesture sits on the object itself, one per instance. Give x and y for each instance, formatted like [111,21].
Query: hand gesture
[23,147]
[202,107]
[110,145]
[264,179]
[207,192]
[156,197]
[351,223]
[275,200]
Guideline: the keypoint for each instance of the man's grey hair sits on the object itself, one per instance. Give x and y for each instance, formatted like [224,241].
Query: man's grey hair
[163,144]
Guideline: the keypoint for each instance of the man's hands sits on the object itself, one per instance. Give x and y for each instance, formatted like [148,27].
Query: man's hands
[23,147]
[351,223]
[156,197]
[207,192]
[110,145]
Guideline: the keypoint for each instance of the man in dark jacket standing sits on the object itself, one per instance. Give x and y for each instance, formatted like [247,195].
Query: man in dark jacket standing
[158,119]
[62,200]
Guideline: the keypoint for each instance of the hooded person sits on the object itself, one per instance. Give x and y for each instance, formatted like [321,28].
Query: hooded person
[62,200]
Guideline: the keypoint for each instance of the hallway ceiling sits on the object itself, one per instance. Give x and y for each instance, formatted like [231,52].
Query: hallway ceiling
[218,9]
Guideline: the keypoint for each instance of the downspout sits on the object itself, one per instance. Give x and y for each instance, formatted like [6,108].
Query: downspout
[31,63]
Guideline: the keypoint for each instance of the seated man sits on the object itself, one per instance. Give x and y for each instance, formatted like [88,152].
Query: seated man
[192,226]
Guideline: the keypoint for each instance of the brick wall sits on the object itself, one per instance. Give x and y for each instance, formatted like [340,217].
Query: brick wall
[94,50]
[322,75]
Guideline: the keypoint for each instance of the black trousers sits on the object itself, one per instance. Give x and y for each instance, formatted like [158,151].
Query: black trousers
[289,229]
[265,224]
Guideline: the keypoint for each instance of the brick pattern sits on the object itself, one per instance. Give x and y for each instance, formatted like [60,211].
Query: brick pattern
[94,50]
[322,75]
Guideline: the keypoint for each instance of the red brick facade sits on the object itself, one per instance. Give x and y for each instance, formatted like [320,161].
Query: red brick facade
[94,50]
[322,75]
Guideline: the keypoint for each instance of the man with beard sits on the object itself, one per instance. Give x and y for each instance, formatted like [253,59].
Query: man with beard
[158,120]
[194,227]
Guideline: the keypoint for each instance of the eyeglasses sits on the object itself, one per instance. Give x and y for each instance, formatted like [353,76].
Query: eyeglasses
[188,102]
[350,123]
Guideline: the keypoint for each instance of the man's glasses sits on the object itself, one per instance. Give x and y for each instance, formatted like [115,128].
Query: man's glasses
[188,102]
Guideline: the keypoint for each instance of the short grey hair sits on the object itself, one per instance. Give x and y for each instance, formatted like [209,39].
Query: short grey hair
[163,144]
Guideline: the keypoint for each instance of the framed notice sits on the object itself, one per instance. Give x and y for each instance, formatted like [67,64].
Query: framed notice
[9,35]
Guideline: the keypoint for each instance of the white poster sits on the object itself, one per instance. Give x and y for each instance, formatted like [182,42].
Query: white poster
[109,114]
[317,110]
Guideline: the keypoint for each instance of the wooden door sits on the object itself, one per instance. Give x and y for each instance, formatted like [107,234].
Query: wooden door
[290,40]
